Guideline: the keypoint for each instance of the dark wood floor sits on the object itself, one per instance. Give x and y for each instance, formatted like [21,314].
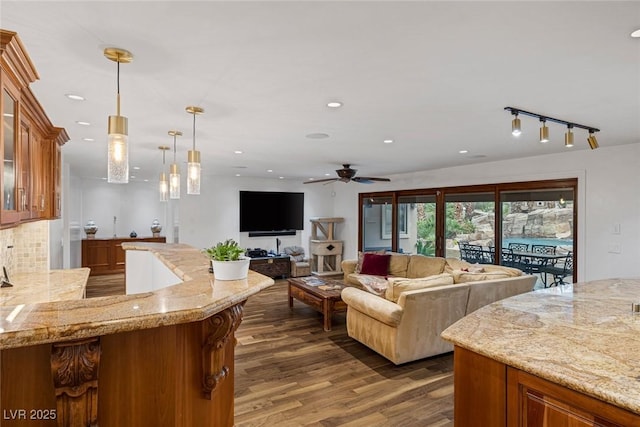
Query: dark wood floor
[289,372]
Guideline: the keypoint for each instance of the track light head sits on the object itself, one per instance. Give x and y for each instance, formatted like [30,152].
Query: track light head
[516,129]
[544,131]
[593,142]
[568,136]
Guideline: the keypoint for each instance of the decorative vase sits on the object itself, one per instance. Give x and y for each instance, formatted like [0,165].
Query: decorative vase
[90,228]
[156,228]
[230,270]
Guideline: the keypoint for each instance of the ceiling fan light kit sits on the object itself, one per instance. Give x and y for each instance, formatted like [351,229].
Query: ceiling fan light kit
[347,174]
[516,129]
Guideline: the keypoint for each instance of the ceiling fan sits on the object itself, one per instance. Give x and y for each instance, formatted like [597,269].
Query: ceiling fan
[347,174]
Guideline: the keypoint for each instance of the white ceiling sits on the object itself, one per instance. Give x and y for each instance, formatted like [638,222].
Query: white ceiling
[432,76]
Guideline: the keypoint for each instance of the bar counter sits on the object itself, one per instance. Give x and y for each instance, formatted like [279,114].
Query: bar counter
[581,338]
[165,357]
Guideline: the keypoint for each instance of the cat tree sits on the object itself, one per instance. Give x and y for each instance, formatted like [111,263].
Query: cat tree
[325,251]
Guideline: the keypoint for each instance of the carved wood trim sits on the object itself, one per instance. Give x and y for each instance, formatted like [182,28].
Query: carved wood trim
[74,366]
[216,331]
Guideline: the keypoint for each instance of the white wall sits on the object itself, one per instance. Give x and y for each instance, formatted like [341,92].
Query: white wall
[203,220]
[608,194]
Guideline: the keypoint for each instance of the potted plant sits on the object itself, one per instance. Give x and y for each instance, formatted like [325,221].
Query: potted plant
[228,261]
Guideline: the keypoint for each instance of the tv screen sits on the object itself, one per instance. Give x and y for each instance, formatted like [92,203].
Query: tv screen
[271,211]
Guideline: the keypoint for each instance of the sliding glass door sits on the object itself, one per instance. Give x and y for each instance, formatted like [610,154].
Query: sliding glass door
[469,220]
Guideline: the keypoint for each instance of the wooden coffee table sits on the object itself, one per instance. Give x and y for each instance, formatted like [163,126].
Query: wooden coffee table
[323,295]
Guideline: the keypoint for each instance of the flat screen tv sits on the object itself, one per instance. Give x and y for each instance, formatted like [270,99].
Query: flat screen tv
[271,213]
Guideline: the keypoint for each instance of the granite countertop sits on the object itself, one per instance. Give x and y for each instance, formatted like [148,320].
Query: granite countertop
[45,286]
[197,298]
[582,336]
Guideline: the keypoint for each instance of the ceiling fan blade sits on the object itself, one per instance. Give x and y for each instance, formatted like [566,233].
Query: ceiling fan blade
[369,180]
[321,180]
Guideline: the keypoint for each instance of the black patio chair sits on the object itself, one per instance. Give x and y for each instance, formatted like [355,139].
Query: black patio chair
[519,247]
[560,270]
[537,265]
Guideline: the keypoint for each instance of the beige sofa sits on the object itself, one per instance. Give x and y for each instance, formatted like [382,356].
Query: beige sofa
[428,294]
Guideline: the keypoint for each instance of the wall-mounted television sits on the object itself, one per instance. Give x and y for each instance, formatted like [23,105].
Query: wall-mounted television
[271,213]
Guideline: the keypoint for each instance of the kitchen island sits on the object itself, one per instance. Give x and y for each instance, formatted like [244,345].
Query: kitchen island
[161,358]
[568,355]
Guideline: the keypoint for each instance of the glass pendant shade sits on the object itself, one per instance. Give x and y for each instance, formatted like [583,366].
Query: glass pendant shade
[163,187]
[193,172]
[193,156]
[118,155]
[174,181]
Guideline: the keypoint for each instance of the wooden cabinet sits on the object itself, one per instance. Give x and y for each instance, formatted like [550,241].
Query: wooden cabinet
[491,393]
[278,266]
[106,256]
[29,143]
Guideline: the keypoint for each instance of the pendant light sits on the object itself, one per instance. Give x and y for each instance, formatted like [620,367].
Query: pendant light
[163,187]
[118,156]
[193,157]
[174,170]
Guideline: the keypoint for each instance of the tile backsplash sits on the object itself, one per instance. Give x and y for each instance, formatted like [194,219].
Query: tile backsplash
[25,248]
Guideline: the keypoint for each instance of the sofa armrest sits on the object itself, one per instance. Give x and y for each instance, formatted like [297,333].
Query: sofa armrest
[373,306]
[349,266]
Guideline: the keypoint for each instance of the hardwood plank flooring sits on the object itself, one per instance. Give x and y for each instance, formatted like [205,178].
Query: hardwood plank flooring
[289,372]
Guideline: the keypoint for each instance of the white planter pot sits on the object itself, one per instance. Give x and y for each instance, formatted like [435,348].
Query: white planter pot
[230,270]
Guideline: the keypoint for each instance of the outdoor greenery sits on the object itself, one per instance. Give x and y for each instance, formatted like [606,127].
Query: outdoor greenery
[426,225]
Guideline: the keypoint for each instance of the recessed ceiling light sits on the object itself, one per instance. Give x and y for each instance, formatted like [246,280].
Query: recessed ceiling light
[146,180]
[132,177]
[74,97]
[463,151]
[81,123]
[334,104]
[281,177]
[136,168]
[388,141]
[88,139]
[317,135]
[327,174]
[237,174]
[635,34]
[104,178]
[311,179]
[269,170]
[238,152]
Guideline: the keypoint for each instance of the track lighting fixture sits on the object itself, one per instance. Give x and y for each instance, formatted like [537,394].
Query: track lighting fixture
[568,136]
[544,131]
[516,129]
[593,142]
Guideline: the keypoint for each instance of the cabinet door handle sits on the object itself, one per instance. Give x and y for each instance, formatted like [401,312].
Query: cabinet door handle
[42,202]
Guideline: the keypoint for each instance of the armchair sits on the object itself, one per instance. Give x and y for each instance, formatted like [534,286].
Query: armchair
[300,265]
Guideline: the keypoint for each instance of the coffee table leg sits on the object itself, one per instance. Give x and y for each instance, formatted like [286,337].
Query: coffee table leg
[290,297]
[326,313]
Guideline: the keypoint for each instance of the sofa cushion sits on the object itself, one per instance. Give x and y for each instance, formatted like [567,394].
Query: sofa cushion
[461,276]
[377,265]
[424,266]
[510,271]
[361,258]
[397,285]
[398,264]
[377,285]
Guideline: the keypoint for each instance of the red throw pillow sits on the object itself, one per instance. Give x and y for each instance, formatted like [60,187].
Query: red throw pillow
[377,265]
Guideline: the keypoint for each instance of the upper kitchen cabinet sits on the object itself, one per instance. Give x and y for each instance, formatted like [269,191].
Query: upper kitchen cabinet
[30,145]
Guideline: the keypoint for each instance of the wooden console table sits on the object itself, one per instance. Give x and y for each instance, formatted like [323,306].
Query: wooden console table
[106,256]
[272,266]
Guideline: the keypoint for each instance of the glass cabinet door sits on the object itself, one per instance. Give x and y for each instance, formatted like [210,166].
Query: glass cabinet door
[9,151]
